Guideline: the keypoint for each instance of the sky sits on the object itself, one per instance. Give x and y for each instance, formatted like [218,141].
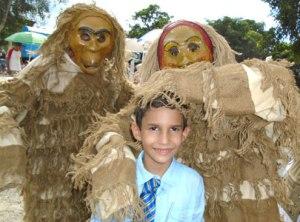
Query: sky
[194,10]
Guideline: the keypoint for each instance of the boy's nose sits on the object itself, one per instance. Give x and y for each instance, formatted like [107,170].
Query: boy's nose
[164,138]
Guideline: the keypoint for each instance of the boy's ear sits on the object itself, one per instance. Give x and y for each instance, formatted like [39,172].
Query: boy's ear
[136,132]
[186,132]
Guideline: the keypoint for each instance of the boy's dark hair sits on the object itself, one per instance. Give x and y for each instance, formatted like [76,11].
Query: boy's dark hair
[17,44]
[158,102]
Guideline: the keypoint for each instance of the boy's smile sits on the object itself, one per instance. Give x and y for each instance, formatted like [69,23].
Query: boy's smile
[161,135]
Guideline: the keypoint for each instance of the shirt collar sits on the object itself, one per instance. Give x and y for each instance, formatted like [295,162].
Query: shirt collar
[144,175]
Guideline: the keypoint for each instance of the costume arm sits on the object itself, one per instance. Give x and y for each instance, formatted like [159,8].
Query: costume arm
[253,87]
[107,164]
[15,98]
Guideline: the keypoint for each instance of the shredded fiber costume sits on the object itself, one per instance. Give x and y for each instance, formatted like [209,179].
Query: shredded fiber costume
[48,106]
[244,120]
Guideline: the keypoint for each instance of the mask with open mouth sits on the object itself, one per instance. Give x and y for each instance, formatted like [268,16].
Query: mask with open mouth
[91,41]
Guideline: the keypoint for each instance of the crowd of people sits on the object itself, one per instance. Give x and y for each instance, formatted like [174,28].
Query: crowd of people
[202,137]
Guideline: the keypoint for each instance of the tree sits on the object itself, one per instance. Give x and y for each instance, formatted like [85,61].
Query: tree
[16,13]
[287,13]
[250,39]
[148,19]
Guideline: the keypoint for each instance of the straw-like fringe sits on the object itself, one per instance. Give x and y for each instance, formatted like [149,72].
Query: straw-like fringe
[243,137]
[109,183]
[223,54]
[150,63]
[49,146]
[6,124]
[134,210]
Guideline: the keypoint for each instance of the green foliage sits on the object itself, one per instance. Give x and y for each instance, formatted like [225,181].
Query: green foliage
[283,50]
[251,40]
[20,13]
[287,13]
[148,19]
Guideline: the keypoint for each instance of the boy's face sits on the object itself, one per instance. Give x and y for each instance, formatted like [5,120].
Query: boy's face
[161,135]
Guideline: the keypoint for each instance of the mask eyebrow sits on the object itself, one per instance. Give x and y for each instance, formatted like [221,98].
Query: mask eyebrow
[103,31]
[195,36]
[91,31]
[87,29]
[170,42]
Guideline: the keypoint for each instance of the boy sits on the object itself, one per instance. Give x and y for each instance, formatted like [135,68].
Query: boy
[170,191]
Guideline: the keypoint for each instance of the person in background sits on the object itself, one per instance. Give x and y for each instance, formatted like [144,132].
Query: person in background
[2,60]
[2,53]
[13,59]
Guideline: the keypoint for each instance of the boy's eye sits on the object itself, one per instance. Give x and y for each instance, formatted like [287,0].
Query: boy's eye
[176,129]
[153,128]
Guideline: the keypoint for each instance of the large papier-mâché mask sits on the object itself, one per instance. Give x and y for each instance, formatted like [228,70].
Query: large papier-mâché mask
[91,41]
[182,43]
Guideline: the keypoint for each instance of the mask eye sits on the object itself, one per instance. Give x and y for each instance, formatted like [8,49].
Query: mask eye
[101,37]
[85,36]
[173,51]
[193,47]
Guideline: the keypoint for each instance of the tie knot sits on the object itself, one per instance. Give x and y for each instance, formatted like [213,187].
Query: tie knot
[151,185]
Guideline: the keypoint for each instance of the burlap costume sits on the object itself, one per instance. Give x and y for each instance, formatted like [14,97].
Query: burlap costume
[243,119]
[44,111]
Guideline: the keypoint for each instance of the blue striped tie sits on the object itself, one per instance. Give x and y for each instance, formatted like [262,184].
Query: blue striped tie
[148,196]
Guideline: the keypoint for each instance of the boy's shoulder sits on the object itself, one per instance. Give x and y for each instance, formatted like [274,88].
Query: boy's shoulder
[186,172]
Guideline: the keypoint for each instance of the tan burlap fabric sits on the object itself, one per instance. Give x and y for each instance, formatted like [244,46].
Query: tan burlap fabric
[228,144]
[232,147]
[51,102]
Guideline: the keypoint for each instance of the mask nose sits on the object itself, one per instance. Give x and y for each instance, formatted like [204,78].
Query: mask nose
[185,61]
[93,44]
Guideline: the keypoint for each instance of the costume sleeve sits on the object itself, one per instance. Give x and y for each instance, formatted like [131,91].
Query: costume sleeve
[118,123]
[107,165]
[254,87]
[15,98]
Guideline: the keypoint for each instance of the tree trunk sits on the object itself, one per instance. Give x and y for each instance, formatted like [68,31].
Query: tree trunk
[3,19]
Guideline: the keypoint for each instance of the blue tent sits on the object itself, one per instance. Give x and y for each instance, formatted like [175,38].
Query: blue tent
[28,50]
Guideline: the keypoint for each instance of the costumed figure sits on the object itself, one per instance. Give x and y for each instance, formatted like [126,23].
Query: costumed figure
[47,107]
[244,119]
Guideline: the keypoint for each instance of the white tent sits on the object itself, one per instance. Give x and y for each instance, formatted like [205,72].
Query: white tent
[149,37]
[133,45]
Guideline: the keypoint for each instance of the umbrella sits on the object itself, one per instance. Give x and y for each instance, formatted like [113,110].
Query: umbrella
[27,38]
